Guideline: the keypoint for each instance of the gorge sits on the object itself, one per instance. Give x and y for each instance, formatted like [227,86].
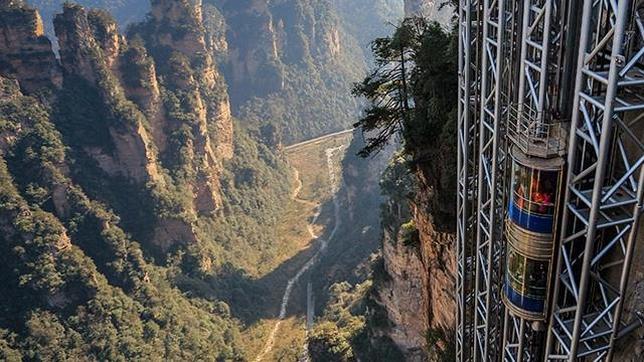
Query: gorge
[152,209]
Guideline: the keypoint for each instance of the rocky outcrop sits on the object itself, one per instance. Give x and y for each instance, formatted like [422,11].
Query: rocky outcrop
[215,25]
[265,37]
[89,49]
[127,79]
[139,79]
[404,297]
[9,90]
[438,258]
[170,232]
[179,28]
[254,42]
[176,34]
[168,15]
[25,52]
[417,295]
[419,261]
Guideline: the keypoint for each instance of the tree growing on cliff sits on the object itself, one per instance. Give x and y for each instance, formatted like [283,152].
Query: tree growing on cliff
[388,87]
[412,89]
[418,104]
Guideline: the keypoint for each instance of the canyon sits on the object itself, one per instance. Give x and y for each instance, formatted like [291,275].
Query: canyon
[147,185]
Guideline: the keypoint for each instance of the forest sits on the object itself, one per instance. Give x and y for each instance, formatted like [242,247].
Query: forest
[147,202]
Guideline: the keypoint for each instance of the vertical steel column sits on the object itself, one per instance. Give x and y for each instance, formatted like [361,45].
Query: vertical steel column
[516,346]
[466,173]
[603,201]
[488,306]
[535,51]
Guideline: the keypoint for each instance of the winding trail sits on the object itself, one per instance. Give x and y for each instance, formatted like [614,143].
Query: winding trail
[333,181]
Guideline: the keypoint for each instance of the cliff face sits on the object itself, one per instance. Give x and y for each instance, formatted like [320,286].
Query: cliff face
[419,220]
[417,293]
[112,161]
[285,53]
[176,36]
[68,269]
[253,58]
[90,47]
[25,52]
[437,256]
[404,297]
[149,110]
[264,37]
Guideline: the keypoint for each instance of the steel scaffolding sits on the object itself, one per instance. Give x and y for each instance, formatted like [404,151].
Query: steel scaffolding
[533,128]
[603,200]
[469,76]
[517,64]
[488,306]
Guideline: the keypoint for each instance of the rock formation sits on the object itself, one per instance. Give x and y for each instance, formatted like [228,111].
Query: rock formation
[418,258]
[25,52]
[90,47]
[271,44]
[133,85]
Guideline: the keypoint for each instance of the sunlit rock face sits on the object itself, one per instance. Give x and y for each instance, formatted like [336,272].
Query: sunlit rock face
[131,81]
[90,47]
[405,297]
[25,52]
[419,296]
[264,37]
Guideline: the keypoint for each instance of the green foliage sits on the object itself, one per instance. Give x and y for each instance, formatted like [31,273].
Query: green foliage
[332,339]
[328,343]
[313,101]
[388,86]
[255,189]
[73,284]
[136,66]
[8,349]
[397,183]
[410,235]
[413,93]
[345,330]
[302,83]
[398,186]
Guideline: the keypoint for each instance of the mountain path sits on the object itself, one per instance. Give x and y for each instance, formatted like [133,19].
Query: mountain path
[333,181]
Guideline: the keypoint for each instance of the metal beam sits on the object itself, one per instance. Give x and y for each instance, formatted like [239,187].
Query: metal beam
[489,247]
[469,98]
[603,201]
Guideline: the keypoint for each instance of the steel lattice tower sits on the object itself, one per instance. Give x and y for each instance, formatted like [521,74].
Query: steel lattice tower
[551,80]
[469,77]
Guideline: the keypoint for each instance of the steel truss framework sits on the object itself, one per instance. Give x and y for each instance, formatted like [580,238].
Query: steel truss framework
[469,76]
[535,56]
[488,308]
[603,200]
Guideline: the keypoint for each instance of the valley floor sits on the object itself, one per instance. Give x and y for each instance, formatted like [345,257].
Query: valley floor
[308,225]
